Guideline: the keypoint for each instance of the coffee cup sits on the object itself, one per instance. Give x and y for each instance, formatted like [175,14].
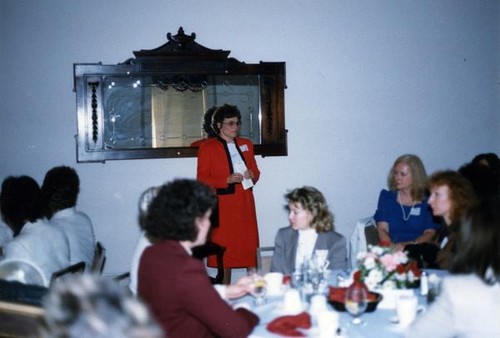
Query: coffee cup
[406,309]
[292,303]
[328,324]
[274,282]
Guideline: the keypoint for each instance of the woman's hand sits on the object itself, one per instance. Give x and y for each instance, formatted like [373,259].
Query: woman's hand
[248,175]
[240,288]
[234,178]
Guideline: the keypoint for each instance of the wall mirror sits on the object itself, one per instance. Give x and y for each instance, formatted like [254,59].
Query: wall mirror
[152,105]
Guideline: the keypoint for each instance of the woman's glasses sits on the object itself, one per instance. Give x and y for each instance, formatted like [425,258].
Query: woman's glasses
[232,123]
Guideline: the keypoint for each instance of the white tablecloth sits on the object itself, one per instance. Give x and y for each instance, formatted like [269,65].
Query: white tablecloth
[376,324]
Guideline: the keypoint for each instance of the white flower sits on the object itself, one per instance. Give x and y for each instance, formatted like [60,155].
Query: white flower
[377,250]
[376,275]
[361,255]
[369,263]
[389,284]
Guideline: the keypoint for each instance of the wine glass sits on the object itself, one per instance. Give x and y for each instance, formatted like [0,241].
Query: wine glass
[259,287]
[356,302]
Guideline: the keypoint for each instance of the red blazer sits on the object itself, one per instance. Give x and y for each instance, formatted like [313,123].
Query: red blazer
[214,163]
[184,302]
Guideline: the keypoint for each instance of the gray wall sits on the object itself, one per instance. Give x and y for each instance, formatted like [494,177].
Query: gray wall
[367,81]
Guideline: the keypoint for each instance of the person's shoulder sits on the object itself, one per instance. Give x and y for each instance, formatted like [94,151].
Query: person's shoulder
[387,194]
[332,234]
[285,232]
[242,140]
[460,281]
[210,143]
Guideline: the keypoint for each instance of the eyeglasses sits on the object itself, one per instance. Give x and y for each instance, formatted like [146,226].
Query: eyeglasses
[232,123]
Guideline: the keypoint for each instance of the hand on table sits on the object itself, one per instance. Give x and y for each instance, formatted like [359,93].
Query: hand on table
[240,288]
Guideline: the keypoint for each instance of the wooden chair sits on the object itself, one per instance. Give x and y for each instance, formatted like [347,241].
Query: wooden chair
[99,259]
[20,320]
[72,269]
[21,309]
[264,259]
[212,249]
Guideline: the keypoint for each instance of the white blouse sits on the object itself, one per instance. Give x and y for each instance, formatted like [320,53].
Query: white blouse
[305,246]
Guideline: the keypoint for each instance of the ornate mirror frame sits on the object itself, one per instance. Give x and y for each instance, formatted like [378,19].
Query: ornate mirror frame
[187,69]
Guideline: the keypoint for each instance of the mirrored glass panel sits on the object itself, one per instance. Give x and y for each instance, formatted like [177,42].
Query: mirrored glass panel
[152,106]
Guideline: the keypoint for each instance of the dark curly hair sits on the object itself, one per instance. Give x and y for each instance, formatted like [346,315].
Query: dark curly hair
[19,201]
[462,194]
[60,189]
[207,122]
[172,213]
[225,111]
[313,200]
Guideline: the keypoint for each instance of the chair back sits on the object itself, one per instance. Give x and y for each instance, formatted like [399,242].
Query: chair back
[72,269]
[359,241]
[99,260]
[22,271]
[264,259]
[212,249]
[20,320]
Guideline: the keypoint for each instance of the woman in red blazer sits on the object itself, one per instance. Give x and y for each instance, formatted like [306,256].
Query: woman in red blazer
[174,284]
[227,164]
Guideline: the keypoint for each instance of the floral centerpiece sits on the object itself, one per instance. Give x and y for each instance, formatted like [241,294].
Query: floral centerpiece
[384,267]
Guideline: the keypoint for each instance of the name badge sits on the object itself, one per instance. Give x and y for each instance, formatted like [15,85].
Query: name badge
[415,211]
[244,147]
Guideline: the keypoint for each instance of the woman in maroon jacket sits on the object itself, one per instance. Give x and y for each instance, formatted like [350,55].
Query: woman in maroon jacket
[227,164]
[173,283]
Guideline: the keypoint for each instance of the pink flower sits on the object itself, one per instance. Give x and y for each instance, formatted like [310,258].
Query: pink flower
[390,262]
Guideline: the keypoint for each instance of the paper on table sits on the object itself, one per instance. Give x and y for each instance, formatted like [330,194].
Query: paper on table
[241,168]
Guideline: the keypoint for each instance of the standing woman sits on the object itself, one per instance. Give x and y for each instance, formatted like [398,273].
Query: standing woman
[227,164]
[403,216]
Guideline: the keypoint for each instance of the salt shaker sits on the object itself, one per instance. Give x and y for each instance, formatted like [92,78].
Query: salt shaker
[424,284]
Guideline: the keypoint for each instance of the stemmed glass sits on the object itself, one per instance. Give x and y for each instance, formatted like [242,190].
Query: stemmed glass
[356,302]
[259,287]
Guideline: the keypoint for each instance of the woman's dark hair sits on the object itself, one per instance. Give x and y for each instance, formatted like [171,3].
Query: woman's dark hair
[60,189]
[19,202]
[484,174]
[479,242]
[172,213]
[225,111]
[207,122]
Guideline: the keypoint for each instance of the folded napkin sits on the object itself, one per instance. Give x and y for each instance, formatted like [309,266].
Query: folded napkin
[288,325]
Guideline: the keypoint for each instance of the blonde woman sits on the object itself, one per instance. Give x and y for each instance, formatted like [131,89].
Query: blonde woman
[403,215]
[311,229]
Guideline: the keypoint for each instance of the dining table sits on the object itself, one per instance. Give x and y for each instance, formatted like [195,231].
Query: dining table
[382,322]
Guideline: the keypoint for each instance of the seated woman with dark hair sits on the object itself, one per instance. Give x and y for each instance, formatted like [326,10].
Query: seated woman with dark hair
[173,283]
[469,303]
[35,240]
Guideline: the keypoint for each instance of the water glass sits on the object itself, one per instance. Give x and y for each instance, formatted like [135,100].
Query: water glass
[356,302]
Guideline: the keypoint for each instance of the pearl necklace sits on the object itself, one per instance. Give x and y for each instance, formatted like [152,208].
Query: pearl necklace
[405,218]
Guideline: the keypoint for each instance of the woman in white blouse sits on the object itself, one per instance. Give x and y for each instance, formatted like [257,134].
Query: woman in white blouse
[311,229]
[469,303]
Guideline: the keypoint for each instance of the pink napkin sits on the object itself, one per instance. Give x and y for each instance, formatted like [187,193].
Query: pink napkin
[288,325]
